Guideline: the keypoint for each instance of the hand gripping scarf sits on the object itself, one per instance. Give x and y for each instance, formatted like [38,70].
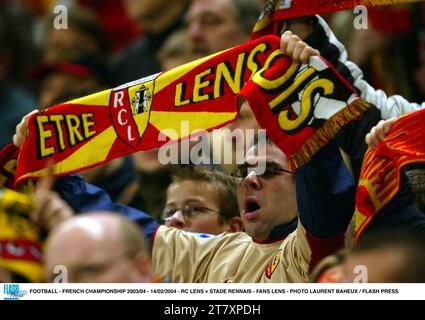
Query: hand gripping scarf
[381,170]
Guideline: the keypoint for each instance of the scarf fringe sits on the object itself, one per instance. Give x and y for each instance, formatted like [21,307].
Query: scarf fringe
[328,131]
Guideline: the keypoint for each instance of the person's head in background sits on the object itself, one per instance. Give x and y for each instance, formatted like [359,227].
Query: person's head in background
[176,51]
[17,48]
[388,256]
[84,35]
[99,247]
[330,269]
[154,15]
[417,181]
[215,25]
[83,74]
[391,256]
[202,200]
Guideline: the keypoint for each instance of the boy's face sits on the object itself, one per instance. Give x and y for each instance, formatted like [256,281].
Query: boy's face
[201,199]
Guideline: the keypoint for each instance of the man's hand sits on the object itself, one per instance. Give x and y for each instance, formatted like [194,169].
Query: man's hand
[378,132]
[296,49]
[50,209]
[22,130]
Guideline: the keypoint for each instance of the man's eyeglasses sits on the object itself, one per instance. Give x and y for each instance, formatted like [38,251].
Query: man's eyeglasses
[271,170]
[188,212]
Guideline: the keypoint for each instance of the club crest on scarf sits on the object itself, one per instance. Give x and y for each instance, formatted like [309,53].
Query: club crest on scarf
[130,107]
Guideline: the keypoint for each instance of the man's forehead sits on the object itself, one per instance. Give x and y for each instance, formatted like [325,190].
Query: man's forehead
[271,154]
[209,7]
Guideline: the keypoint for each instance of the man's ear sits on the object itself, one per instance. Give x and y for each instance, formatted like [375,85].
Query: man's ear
[144,266]
[235,224]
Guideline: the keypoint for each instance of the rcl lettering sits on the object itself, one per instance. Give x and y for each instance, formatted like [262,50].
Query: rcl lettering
[77,128]
[204,89]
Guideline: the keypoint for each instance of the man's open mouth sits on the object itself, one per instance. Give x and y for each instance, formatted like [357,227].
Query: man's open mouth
[252,209]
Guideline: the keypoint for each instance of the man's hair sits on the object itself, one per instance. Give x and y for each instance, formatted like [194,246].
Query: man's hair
[247,12]
[224,185]
[417,181]
[410,246]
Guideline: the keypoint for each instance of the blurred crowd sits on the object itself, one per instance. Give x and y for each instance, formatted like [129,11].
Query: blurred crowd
[107,43]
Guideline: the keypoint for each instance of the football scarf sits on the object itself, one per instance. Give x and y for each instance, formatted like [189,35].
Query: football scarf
[20,250]
[143,114]
[277,10]
[8,159]
[303,108]
[381,170]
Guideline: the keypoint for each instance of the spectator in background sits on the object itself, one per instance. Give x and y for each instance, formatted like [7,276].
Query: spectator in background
[417,181]
[203,201]
[120,28]
[392,256]
[99,247]
[215,25]
[15,100]
[388,51]
[158,18]
[176,51]
[374,50]
[382,257]
[84,35]
[330,269]
[82,75]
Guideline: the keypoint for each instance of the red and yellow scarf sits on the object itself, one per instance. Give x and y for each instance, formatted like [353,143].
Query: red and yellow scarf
[92,130]
[301,106]
[381,170]
[277,10]
[20,241]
